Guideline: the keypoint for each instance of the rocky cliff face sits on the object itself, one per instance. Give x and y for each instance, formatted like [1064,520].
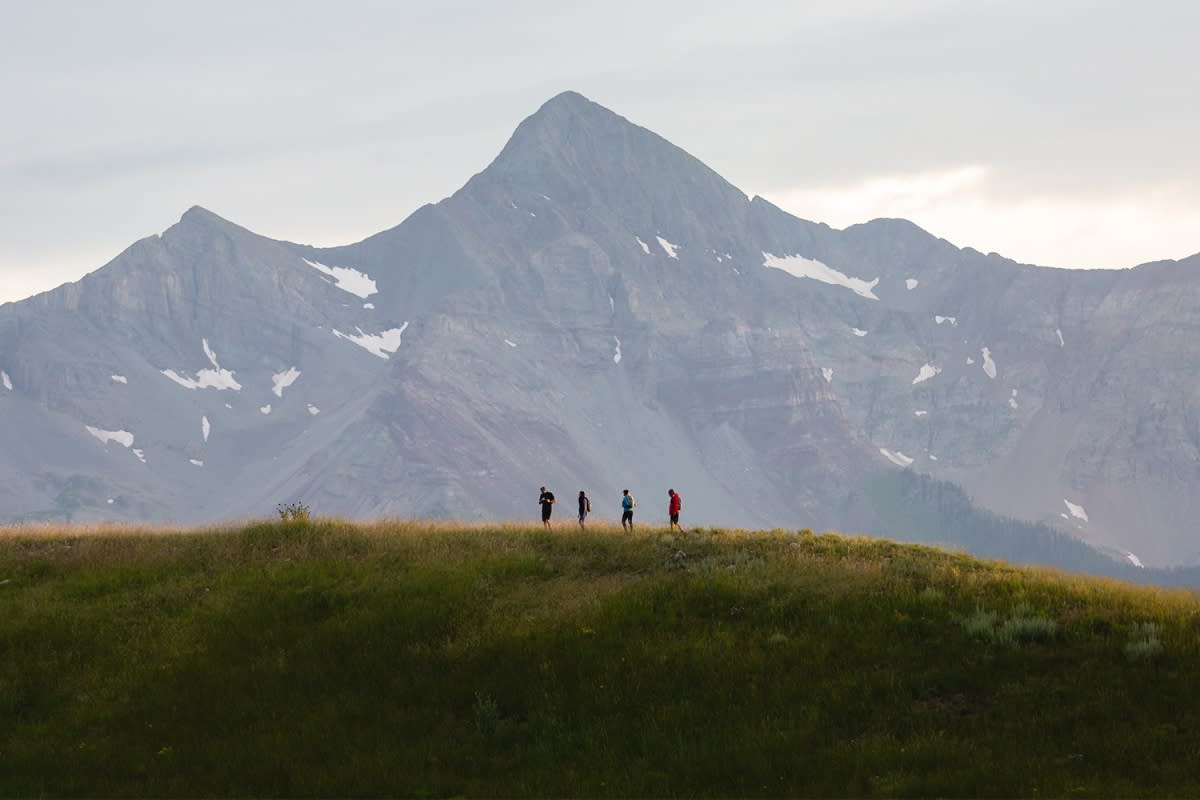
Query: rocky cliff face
[597,309]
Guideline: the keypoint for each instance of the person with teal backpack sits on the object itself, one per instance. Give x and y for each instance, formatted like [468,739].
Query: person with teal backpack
[627,506]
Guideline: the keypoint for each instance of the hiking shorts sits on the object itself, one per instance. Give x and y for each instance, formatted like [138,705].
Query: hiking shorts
[675,518]
[545,513]
[627,517]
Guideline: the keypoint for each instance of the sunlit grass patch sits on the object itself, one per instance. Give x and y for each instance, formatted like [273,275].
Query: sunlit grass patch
[326,657]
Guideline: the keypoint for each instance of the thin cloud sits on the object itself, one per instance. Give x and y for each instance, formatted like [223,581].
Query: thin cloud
[968,206]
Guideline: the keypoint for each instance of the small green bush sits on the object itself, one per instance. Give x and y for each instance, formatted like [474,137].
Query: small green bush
[931,595]
[293,512]
[486,713]
[1021,626]
[1026,629]
[1145,642]
[979,623]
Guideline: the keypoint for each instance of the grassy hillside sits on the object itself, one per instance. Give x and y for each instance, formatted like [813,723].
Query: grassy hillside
[403,659]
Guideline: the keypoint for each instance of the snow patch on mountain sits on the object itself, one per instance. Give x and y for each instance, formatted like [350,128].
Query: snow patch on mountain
[897,458]
[313,409]
[617,354]
[265,409]
[141,454]
[195,461]
[210,354]
[911,283]
[1137,562]
[379,344]
[6,381]
[828,373]
[802,267]
[920,413]
[215,378]
[645,247]
[989,366]
[347,279]
[205,427]
[282,380]
[119,379]
[369,306]
[123,438]
[510,343]
[940,319]
[1077,511]
[1061,343]
[926,372]
[1012,400]
[858,331]
[668,247]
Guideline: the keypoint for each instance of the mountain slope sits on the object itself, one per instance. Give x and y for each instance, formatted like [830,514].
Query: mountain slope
[598,309]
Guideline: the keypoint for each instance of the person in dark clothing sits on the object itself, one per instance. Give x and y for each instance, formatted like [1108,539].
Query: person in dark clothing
[585,507]
[673,509]
[627,505]
[546,499]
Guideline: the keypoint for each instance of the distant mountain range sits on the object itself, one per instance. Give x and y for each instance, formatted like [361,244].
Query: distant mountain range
[598,309]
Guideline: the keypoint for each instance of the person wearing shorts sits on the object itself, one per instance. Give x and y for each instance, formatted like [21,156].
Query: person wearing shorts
[546,499]
[627,506]
[673,509]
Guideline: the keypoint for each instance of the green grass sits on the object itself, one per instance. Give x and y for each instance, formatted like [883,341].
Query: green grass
[405,659]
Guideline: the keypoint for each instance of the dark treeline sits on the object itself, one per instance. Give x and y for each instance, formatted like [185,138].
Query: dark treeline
[917,508]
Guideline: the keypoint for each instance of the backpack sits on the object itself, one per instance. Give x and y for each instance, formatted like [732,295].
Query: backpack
[587,504]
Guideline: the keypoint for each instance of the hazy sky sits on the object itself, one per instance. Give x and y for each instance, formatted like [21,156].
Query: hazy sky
[1054,132]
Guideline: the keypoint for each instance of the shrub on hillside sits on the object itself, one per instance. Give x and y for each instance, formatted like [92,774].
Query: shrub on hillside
[1022,625]
[1144,643]
[293,512]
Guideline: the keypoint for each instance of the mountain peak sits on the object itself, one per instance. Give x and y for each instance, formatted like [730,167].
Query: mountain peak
[574,149]
[569,99]
[198,220]
[564,120]
[198,215]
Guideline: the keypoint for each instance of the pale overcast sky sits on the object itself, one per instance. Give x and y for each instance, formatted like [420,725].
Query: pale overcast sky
[1055,132]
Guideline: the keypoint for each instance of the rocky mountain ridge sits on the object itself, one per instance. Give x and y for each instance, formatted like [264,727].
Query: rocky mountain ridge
[599,309]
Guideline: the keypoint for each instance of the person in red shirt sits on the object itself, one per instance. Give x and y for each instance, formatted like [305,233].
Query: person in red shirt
[673,509]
